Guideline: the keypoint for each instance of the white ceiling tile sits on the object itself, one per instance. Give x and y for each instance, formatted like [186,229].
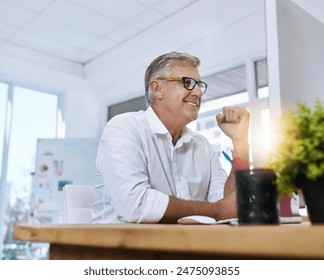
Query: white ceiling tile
[14,16]
[60,32]
[6,31]
[99,46]
[45,45]
[145,19]
[31,5]
[82,30]
[148,3]
[122,33]
[80,17]
[121,10]
[169,6]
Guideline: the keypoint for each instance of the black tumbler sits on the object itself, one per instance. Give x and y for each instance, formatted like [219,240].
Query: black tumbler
[257,198]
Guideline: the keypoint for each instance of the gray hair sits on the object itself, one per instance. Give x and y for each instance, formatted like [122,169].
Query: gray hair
[161,67]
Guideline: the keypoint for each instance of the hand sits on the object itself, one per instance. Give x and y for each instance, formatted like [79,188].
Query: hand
[234,122]
[226,207]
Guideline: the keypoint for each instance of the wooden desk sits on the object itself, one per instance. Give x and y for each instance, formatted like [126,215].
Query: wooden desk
[155,241]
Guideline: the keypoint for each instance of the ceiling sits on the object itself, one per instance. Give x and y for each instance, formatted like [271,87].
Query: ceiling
[112,41]
[80,30]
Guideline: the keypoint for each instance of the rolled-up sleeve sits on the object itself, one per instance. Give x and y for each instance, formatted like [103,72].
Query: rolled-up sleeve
[123,167]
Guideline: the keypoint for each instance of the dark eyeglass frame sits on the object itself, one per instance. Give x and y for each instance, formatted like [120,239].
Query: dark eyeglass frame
[202,85]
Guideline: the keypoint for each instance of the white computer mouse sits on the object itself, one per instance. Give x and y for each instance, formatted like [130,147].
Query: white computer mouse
[197,219]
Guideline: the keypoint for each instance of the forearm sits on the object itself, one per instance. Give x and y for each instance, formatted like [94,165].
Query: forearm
[178,208]
[241,150]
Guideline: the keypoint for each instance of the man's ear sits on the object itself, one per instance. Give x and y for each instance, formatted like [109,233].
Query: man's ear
[156,89]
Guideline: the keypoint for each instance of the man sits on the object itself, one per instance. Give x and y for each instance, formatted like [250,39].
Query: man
[151,168]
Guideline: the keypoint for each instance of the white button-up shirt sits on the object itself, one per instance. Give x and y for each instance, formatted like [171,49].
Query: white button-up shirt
[138,168]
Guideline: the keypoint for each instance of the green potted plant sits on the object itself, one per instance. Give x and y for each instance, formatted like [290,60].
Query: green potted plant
[298,160]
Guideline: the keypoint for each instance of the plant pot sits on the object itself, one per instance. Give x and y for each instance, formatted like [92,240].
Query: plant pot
[313,192]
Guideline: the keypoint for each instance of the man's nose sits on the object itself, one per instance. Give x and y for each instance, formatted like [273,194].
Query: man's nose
[197,91]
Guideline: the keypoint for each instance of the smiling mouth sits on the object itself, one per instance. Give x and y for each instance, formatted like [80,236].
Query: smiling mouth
[192,104]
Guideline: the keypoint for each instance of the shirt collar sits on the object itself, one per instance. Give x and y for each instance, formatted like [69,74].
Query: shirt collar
[186,135]
[154,121]
[158,127]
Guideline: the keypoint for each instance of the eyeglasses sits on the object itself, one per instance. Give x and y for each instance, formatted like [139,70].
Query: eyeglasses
[188,83]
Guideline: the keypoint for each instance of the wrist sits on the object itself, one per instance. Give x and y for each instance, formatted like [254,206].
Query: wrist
[241,150]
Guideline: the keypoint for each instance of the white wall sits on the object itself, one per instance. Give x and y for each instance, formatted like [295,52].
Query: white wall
[81,106]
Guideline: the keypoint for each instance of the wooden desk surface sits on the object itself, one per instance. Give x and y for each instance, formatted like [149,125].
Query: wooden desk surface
[299,241]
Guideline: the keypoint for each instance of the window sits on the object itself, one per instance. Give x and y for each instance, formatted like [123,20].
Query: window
[206,123]
[226,83]
[261,71]
[34,114]
[265,122]
[230,88]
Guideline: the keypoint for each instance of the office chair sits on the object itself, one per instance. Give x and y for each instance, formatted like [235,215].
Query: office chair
[77,204]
